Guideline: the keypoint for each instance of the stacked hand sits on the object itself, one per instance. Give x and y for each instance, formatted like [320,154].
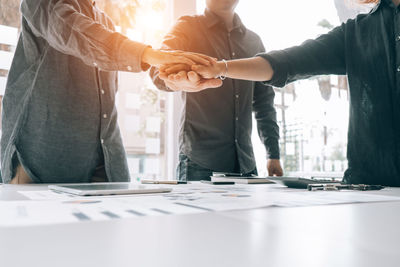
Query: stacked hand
[160,58]
[180,77]
[177,69]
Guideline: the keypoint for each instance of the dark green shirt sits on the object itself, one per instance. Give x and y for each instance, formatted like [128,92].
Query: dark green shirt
[367,49]
[216,124]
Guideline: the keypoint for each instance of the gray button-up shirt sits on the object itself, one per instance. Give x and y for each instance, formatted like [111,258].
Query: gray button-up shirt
[59,115]
[216,124]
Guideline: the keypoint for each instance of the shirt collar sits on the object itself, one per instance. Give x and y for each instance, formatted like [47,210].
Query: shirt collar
[387,2]
[211,19]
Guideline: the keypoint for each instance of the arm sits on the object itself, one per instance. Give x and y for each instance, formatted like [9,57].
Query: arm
[71,32]
[265,115]
[268,129]
[324,55]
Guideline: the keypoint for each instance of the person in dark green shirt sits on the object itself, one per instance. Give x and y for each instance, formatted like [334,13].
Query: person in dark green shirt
[367,49]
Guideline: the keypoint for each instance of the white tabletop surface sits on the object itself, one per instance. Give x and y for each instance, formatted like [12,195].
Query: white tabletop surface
[335,235]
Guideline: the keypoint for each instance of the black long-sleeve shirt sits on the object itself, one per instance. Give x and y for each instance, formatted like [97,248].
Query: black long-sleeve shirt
[367,49]
[216,124]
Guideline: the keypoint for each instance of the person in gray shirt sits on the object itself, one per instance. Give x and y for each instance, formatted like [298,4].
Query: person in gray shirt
[216,124]
[59,121]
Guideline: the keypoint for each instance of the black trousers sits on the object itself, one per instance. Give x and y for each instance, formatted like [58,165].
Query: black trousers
[187,170]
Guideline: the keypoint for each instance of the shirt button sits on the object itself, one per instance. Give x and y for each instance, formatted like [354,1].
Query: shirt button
[237,118]
[105,116]
[237,96]
[233,54]
[102,92]
[102,141]
[398,38]
[129,68]
[236,140]
[398,69]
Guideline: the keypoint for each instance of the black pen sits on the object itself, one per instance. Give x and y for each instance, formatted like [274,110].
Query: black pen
[163,182]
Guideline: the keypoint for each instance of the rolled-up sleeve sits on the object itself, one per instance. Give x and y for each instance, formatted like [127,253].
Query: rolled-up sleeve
[71,32]
[324,55]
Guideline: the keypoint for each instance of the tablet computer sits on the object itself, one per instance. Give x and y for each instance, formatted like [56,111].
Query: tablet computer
[101,189]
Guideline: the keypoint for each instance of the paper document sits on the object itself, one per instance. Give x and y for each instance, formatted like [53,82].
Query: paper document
[50,207]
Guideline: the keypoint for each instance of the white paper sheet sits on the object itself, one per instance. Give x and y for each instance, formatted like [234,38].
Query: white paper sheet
[52,208]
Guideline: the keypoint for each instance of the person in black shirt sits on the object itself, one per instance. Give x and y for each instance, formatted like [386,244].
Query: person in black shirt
[367,49]
[216,125]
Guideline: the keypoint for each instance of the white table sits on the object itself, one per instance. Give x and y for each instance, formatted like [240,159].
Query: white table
[337,235]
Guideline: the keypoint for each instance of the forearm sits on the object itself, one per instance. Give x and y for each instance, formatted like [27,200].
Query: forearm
[268,132]
[272,148]
[253,69]
[71,32]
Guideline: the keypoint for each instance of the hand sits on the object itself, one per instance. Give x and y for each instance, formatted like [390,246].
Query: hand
[174,68]
[210,71]
[274,167]
[162,57]
[188,81]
